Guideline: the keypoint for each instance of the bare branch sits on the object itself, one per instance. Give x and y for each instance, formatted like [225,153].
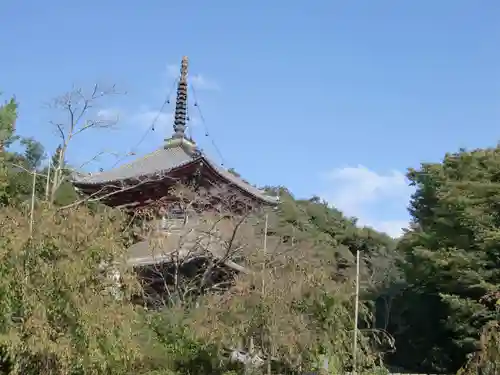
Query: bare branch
[61,130]
[103,193]
[31,172]
[78,110]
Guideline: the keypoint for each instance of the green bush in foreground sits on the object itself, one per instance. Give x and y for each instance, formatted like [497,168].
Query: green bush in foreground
[57,312]
[60,312]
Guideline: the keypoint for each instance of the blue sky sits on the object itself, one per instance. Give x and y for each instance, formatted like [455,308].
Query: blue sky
[335,98]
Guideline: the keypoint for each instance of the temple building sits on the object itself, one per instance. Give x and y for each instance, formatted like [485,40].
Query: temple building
[149,179]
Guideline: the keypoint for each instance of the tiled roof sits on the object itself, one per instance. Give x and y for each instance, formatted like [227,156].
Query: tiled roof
[146,253]
[241,184]
[162,161]
[159,161]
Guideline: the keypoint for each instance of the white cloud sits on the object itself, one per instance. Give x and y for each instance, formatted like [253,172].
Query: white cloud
[163,122]
[377,200]
[109,115]
[199,81]
[146,118]
[393,228]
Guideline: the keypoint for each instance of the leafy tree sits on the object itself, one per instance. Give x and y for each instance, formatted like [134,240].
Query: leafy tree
[16,169]
[334,234]
[452,257]
[34,153]
[8,116]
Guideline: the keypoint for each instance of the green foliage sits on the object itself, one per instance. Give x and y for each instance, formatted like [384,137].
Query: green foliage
[34,153]
[291,311]
[452,255]
[16,177]
[16,180]
[179,349]
[337,238]
[56,157]
[61,316]
[436,290]
[58,312]
[8,116]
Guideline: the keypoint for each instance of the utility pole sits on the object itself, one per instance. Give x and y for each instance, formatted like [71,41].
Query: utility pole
[266,224]
[47,186]
[356,314]
[32,211]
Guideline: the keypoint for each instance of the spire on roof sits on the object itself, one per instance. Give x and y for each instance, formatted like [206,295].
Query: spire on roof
[180,116]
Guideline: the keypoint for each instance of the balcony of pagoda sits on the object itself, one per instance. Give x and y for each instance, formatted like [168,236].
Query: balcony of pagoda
[183,247]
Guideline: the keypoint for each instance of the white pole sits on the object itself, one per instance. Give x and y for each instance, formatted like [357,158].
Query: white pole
[263,278]
[265,233]
[356,313]
[32,202]
[48,180]
[264,248]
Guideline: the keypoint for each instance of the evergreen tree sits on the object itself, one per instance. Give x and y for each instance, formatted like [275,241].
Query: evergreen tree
[8,116]
[453,255]
[34,153]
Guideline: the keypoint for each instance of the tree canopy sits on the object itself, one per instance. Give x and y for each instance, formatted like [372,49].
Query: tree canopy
[452,258]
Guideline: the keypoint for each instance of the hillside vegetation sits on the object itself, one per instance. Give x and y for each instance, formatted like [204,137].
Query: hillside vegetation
[428,302]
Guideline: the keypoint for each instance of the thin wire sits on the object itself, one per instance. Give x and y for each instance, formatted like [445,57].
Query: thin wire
[150,127]
[207,133]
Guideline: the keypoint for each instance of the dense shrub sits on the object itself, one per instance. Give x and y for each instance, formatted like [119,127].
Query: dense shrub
[58,312]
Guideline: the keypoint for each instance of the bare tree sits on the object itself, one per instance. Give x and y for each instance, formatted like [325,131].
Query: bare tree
[80,115]
[193,242]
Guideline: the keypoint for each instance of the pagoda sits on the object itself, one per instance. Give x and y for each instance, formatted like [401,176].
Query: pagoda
[179,160]
[152,178]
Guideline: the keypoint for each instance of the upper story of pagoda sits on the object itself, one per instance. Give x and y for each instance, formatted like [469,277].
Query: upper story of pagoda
[178,160]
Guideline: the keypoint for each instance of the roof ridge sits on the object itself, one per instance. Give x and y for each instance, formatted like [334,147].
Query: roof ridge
[126,165]
[147,156]
[156,156]
[164,160]
[235,179]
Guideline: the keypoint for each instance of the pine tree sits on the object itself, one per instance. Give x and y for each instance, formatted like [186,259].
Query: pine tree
[34,153]
[453,254]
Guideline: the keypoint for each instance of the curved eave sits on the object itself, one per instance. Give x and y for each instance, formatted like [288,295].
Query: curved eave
[154,176]
[240,184]
[129,182]
[91,183]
